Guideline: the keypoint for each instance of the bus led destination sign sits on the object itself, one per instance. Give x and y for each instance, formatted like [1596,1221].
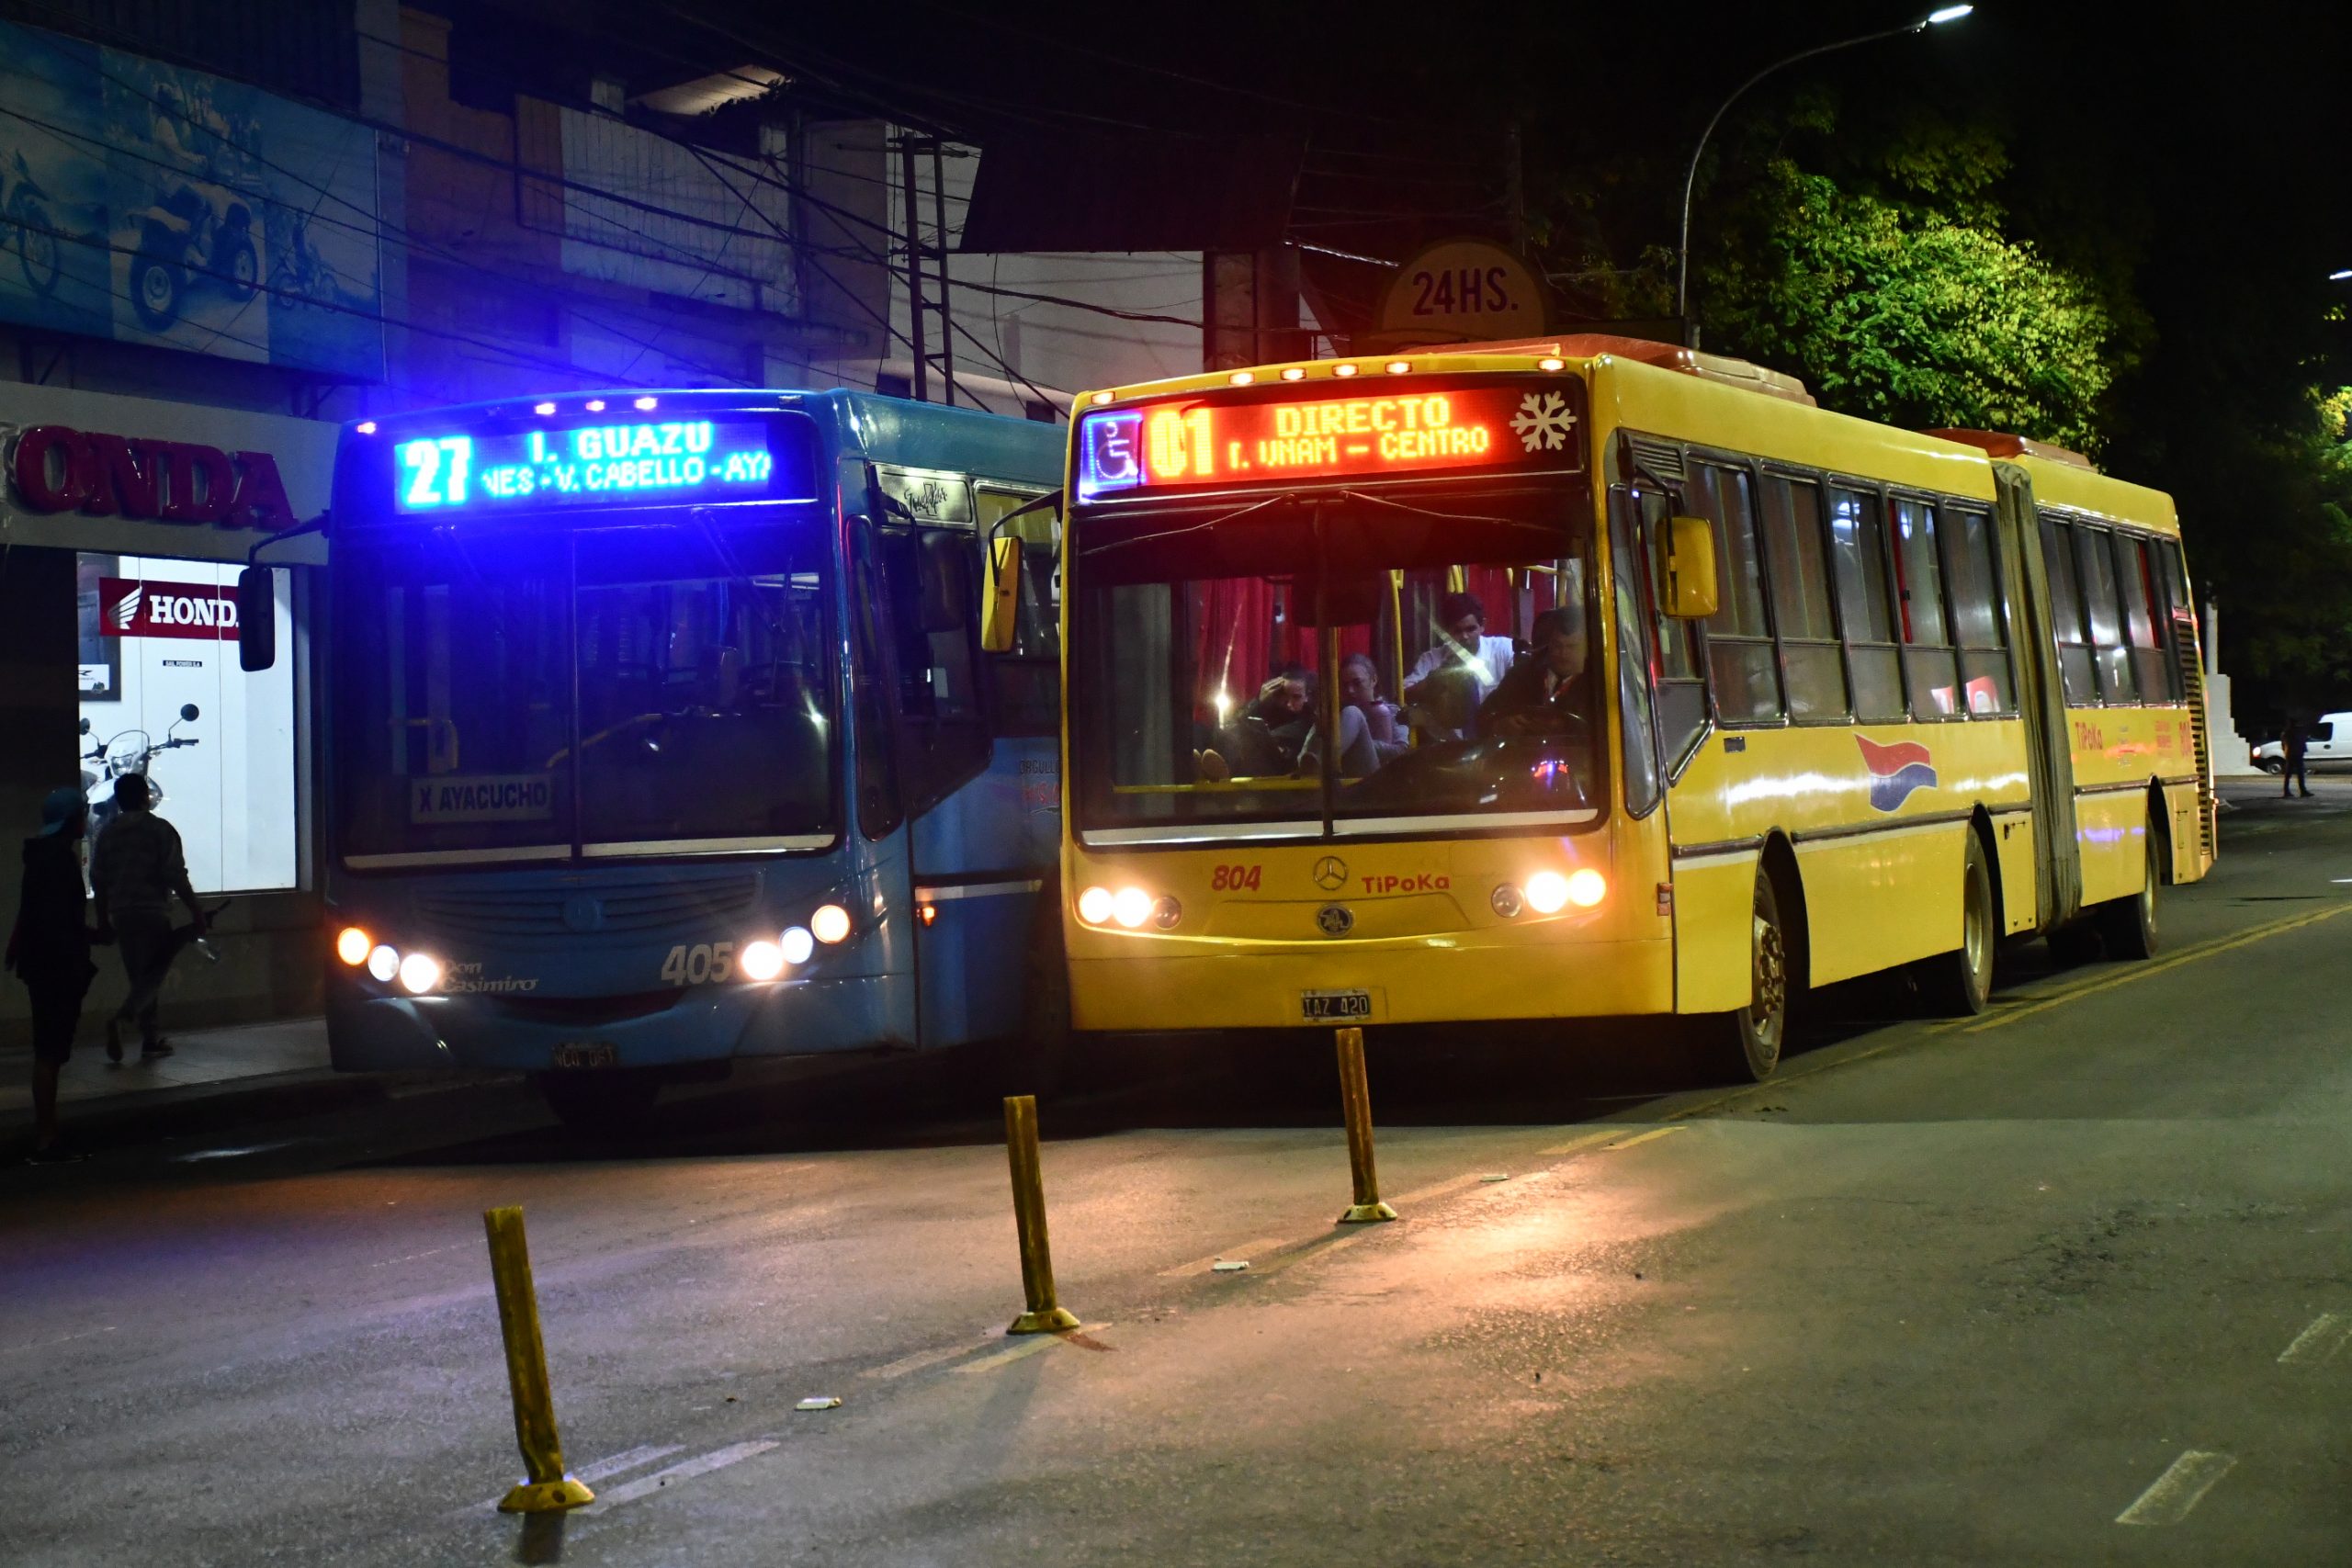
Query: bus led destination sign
[662,462]
[1207,442]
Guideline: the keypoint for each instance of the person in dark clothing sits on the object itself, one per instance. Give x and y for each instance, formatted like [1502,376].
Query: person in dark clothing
[1547,693]
[2292,770]
[135,872]
[50,950]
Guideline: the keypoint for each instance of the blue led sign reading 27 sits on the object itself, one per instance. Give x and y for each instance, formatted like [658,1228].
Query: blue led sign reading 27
[661,462]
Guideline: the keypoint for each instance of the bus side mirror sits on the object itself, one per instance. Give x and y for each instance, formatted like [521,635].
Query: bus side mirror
[256,619]
[1000,604]
[1689,569]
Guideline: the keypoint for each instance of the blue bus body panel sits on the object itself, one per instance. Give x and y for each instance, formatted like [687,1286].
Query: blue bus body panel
[548,955]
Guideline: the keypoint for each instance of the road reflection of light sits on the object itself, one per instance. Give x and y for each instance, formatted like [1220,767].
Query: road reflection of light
[195,1154]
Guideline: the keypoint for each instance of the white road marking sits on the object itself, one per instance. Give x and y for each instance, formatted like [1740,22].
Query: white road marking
[629,1461]
[1035,1343]
[61,1339]
[922,1359]
[2178,1489]
[684,1470]
[2316,1344]
[412,1257]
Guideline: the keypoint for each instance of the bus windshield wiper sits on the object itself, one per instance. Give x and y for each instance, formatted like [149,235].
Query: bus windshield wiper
[1217,522]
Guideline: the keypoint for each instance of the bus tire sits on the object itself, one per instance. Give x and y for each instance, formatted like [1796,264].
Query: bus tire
[1749,1038]
[2128,925]
[608,1103]
[1959,984]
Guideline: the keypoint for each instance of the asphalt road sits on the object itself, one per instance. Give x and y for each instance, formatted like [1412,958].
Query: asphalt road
[2068,1284]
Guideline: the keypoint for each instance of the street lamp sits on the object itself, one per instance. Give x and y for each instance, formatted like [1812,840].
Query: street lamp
[2340,276]
[1682,283]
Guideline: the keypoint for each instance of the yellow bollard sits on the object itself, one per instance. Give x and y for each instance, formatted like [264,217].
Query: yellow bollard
[547,1490]
[1356,1100]
[1045,1314]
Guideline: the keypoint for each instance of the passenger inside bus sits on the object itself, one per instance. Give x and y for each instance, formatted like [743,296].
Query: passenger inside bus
[1371,730]
[1264,738]
[1549,691]
[1448,683]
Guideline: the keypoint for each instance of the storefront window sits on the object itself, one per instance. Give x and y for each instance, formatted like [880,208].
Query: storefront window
[161,694]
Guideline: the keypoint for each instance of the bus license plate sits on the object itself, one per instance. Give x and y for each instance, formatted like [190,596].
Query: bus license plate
[1326,1007]
[573,1053]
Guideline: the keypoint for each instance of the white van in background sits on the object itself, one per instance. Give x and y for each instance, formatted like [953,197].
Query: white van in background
[2330,738]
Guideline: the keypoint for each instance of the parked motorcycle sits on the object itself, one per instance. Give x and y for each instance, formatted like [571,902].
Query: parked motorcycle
[195,227]
[30,227]
[129,751]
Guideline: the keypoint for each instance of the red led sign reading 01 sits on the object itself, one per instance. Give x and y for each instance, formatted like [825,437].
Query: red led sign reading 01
[1209,442]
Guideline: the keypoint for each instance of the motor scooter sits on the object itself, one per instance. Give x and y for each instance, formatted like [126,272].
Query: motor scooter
[129,751]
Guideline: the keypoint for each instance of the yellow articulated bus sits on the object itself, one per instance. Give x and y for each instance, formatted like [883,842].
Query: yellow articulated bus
[1596,678]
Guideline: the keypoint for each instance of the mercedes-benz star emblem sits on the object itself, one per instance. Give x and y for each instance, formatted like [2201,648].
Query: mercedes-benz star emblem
[1331,874]
[1337,919]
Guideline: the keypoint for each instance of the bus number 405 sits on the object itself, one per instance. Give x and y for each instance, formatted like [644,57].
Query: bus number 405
[704,961]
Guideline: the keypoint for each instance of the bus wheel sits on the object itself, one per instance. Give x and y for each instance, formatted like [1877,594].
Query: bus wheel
[2128,925]
[1960,983]
[1753,1034]
[609,1102]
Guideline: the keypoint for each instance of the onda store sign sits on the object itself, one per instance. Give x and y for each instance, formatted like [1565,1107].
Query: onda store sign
[55,468]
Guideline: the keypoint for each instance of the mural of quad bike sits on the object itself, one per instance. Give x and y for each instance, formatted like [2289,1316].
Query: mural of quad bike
[200,232]
[29,229]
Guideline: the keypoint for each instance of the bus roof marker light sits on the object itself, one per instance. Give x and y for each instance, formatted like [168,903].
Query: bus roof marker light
[366,427]
[543,410]
[646,405]
[1398,367]
[829,924]
[1343,369]
[1242,378]
[1099,399]
[1550,365]
[1295,373]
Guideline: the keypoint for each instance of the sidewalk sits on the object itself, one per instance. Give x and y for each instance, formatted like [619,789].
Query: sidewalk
[213,1076]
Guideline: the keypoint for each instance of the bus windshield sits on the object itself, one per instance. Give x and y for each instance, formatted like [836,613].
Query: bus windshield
[1443,640]
[654,683]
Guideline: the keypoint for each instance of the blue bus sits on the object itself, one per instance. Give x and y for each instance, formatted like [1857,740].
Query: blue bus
[659,734]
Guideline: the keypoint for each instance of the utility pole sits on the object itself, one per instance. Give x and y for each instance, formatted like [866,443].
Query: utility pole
[910,149]
[1515,186]
[1251,313]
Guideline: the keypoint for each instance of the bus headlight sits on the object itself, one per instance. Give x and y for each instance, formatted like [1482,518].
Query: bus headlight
[1586,887]
[383,964]
[353,945]
[1094,906]
[795,944]
[1547,892]
[1131,906]
[419,973]
[760,960]
[829,924]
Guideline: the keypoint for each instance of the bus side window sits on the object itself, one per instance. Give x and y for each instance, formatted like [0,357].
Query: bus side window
[1740,655]
[2095,558]
[1027,680]
[1681,689]
[1974,582]
[1930,669]
[879,810]
[2173,585]
[2155,674]
[2066,613]
[933,578]
[1632,657]
[1814,663]
[1866,604]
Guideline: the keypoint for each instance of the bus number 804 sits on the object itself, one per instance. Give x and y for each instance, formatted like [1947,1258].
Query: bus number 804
[1236,878]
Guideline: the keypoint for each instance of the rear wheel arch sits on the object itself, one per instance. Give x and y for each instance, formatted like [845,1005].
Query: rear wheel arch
[1780,863]
[1981,824]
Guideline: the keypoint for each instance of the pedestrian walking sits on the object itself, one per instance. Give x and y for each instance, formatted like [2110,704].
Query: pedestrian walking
[49,948]
[136,871]
[2293,772]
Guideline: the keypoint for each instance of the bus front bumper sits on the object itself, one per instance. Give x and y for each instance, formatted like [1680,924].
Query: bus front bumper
[374,1032]
[1267,986]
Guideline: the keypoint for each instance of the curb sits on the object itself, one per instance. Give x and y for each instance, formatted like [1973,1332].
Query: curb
[162,1114]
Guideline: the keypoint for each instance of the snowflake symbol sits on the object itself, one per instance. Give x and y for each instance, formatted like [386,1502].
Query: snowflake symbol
[1544,421]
